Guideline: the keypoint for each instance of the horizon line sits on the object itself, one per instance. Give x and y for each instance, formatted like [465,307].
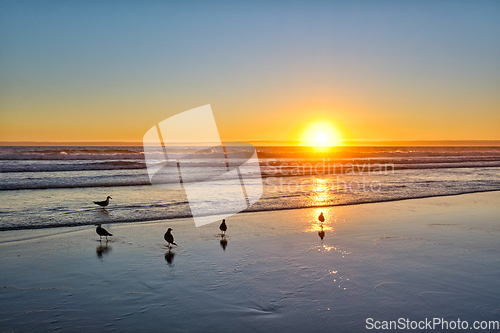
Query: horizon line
[267,142]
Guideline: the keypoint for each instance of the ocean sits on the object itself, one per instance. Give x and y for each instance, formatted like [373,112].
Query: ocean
[55,186]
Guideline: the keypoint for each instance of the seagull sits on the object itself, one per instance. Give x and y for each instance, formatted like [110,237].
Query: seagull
[102,232]
[103,203]
[223,227]
[321,218]
[169,237]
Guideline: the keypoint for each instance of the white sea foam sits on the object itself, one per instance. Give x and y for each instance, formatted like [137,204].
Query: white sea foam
[53,186]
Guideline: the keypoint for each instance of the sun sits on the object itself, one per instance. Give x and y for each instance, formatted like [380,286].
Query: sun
[321,134]
[321,138]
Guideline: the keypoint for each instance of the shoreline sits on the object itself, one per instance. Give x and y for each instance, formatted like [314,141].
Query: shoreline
[56,226]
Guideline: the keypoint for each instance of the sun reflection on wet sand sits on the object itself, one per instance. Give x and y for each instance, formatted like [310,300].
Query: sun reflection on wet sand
[326,248]
[318,226]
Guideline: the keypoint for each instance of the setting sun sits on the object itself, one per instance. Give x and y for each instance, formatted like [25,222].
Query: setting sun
[321,134]
[321,138]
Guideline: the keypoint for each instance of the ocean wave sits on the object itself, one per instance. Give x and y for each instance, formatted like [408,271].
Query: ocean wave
[69,156]
[101,153]
[108,181]
[310,169]
[7,166]
[87,178]
[19,166]
[301,153]
[27,186]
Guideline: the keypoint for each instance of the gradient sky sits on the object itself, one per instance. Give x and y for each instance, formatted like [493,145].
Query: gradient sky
[375,70]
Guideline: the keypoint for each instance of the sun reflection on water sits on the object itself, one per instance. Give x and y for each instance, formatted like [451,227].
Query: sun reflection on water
[319,191]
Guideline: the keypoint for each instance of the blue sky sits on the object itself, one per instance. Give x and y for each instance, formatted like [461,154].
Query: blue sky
[377,69]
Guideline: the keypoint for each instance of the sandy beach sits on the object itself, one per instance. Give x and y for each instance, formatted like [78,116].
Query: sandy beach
[415,259]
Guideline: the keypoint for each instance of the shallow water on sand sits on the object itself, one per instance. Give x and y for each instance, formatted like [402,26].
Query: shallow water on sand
[22,209]
[416,259]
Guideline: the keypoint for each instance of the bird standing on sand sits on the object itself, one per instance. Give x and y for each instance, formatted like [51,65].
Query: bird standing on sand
[103,203]
[321,218]
[102,232]
[223,227]
[169,237]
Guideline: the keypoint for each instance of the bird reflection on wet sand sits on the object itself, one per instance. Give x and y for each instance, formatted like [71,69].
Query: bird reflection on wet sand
[223,243]
[169,257]
[102,249]
[321,233]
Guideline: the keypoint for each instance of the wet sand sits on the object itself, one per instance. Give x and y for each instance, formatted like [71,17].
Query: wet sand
[416,259]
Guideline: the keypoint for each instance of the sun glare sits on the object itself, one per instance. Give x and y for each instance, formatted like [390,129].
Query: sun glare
[321,138]
[321,134]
